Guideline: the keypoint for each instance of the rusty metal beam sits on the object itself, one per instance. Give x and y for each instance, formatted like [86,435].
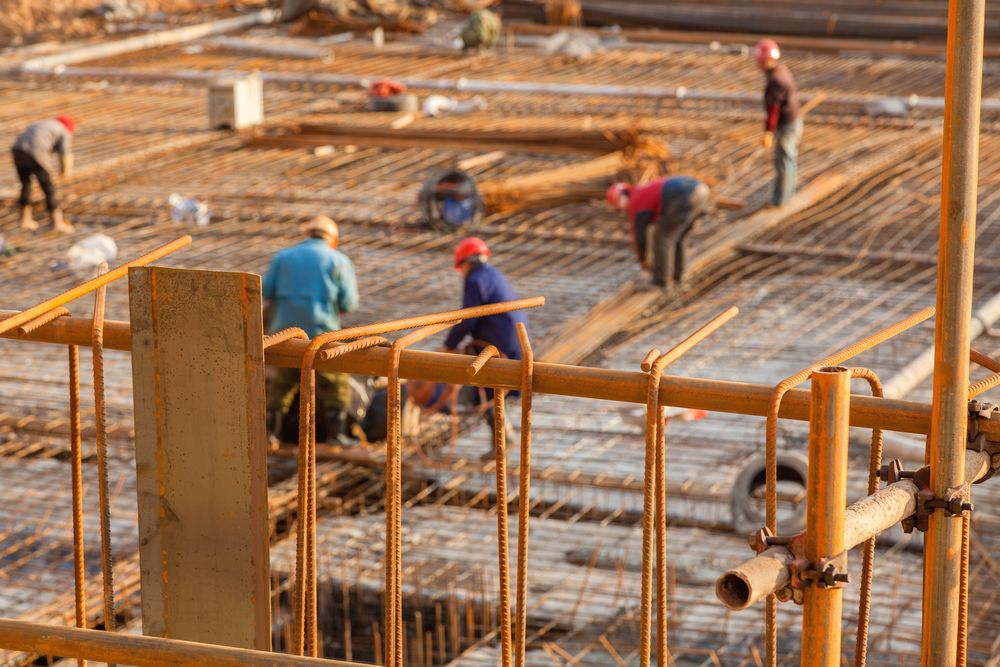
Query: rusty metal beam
[201,465]
[597,383]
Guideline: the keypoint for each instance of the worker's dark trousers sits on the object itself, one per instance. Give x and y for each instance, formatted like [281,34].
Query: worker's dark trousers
[786,155]
[333,395]
[26,167]
[668,244]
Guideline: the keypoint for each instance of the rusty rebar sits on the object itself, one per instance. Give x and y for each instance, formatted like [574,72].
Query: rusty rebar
[984,385]
[76,461]
[654,493]
[524,493]
[291,333]
[503,554]
[487,353]
[85,288]
[305,605]
[101,444]
[868,558]
[42,320]
[394,493]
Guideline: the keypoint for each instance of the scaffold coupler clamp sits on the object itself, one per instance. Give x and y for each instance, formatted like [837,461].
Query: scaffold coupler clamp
[977,440]
[953,503]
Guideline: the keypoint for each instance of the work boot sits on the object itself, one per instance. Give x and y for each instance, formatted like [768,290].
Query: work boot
[27,223]
[59,224]
[338,429]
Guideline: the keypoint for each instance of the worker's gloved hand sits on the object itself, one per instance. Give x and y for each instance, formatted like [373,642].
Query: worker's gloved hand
[768,140]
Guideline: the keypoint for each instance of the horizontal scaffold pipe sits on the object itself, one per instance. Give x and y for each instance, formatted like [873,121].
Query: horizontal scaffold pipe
[769,571]
[597,383]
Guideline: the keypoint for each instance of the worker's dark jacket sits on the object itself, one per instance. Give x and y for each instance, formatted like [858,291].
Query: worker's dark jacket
[485,284]
[781,99]
[675,198]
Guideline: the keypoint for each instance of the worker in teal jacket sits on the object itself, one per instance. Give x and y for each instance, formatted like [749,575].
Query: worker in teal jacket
[308,286]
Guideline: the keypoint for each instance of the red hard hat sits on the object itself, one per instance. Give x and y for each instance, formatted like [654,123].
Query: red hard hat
[616,191]
[67,122]
[767,49]
[470,247]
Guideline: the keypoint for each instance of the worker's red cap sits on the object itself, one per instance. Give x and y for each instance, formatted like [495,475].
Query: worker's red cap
[470,247]
[616,191]
[767,49]
[67,122]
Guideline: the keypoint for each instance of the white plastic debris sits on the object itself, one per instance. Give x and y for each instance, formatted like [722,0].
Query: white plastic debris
[572,43]
[184,209]
[892,107]
[442,105]
[88,253]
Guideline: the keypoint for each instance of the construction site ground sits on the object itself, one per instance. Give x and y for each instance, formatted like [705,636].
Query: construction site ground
[853,252]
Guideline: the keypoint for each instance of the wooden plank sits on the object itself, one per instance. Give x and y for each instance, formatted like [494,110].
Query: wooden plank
[198,381]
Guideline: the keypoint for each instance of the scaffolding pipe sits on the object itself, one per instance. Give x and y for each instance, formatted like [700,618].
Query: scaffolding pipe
[956,252]
[559,379]
[826,498]
[768,572]
[57,62]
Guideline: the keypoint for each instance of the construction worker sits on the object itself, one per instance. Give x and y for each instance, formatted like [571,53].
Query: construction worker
[33,152]
[308,286]
[485,284]
[783,125]
[661,213]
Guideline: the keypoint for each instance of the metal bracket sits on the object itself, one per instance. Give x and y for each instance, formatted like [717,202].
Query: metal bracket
[977,439]
[953,503]
[827,573]
[764,539]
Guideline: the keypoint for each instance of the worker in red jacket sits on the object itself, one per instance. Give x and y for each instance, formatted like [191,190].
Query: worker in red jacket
[661,213]
[783,126]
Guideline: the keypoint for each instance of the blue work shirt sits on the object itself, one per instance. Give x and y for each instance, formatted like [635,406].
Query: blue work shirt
[485,284]
[309,285]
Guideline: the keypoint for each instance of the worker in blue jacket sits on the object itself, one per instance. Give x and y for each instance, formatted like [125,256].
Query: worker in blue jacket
[485,284]
[308,286]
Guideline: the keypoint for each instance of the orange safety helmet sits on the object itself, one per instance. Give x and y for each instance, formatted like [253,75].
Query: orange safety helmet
[470,247]
[67,122]
[616,191]
[767,49]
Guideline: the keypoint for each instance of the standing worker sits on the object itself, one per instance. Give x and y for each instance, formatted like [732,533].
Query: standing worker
[783,126]
[308,286]
[661,213]
[485,284]
[33,151]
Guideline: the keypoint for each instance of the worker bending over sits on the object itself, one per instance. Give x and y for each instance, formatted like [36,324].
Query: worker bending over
[661,213]
[308,286]
[783,125]
[33,153]
[485,284]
